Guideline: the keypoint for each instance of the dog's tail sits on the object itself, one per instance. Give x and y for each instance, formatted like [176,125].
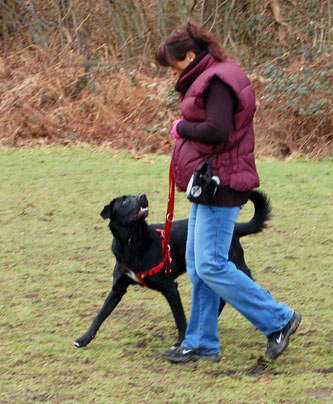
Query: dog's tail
[262,213]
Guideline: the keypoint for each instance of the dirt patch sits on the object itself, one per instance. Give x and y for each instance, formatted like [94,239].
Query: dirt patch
[261,368]
[319,393]
[325,371]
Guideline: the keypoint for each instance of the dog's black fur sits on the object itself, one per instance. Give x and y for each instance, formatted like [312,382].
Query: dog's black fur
[138,246]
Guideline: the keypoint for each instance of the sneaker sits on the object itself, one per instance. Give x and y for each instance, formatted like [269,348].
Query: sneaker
[169,351]
[180,354]
[278,341]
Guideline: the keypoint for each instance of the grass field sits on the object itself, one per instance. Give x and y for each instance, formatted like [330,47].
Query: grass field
[56,269]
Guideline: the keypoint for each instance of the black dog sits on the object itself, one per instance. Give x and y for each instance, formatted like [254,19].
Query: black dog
[138,248]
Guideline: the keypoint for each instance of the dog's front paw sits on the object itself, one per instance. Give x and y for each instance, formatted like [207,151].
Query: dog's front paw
[84,340]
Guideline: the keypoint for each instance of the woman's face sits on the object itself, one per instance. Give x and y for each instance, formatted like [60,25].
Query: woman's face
[179,66]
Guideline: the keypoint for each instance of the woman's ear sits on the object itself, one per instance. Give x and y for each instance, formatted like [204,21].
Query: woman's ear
[190,55]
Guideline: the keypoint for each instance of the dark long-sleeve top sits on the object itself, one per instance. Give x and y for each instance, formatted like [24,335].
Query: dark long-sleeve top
[220,103]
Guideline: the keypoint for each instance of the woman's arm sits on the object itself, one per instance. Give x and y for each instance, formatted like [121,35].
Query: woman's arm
[220,103]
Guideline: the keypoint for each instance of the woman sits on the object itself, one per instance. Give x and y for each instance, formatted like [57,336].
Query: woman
[218,106]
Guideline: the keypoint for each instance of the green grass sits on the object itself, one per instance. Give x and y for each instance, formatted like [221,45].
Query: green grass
[56,269]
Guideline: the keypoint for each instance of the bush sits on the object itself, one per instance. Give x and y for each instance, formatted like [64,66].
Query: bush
[296,107]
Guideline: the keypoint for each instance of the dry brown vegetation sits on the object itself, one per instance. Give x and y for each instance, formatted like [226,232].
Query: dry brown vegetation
[73,72]
[66,102]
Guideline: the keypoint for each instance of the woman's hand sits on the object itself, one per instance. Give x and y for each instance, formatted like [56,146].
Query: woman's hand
[174,132]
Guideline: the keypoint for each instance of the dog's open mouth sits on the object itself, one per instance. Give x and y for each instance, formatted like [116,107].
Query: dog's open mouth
[143,206]
[143,210]
[141,213]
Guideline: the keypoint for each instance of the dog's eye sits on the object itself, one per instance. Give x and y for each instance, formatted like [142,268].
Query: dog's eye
[126,201]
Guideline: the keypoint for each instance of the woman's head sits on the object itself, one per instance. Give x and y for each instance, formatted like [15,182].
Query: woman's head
[186,41]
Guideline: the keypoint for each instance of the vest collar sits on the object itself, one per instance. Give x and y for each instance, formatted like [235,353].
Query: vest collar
[202,62]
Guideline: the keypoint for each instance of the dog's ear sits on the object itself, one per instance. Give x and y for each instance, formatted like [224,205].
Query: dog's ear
[107,211]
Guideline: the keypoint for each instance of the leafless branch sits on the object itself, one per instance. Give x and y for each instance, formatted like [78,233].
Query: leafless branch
[275,6]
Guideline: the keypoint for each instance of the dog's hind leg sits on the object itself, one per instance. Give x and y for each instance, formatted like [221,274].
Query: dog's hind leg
[222,304]
[170,291]
[110,303]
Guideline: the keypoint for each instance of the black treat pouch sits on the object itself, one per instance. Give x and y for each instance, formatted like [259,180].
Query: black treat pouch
[203,184]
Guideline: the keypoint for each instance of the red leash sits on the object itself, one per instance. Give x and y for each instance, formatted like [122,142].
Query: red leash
[165,237]
[168,221]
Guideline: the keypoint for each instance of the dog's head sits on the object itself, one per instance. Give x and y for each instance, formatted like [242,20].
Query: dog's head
[126,210]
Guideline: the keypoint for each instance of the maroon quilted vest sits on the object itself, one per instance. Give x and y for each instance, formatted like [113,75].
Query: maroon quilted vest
[233,161]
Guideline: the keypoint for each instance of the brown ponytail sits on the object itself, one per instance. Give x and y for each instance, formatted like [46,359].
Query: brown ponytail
[189,37]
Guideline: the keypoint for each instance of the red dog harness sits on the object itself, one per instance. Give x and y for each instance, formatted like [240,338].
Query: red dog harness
[165,237]
[166,261]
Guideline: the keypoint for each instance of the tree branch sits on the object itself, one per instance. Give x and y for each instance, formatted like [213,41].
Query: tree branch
[277,12]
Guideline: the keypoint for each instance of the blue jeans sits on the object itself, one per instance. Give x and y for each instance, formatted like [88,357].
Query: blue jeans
[210,230]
